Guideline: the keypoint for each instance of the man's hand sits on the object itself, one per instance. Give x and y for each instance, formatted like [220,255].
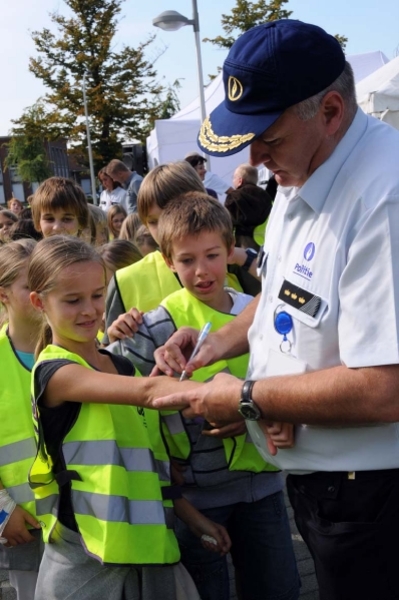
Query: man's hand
[172,357]
[125,326]
[216,401]
[15,531]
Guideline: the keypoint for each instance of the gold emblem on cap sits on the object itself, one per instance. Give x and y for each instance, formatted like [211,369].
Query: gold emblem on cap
[234,89]
[223,143]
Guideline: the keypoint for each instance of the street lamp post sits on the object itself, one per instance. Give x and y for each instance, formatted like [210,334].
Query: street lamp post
[171,20]
[92,176]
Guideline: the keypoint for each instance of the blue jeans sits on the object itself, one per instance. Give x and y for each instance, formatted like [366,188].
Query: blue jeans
[262,552]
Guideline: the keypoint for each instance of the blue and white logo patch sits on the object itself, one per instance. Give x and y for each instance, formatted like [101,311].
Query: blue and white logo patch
[304,270]
[309,251]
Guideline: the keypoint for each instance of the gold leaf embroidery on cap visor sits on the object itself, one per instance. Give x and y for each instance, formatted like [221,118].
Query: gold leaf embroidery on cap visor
[224,143]
[234,89]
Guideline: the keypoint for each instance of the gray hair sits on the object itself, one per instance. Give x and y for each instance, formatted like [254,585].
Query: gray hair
[248,173]
[344,85]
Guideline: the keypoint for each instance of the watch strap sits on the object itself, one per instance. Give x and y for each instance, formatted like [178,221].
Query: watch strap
[246,392]
[251,256]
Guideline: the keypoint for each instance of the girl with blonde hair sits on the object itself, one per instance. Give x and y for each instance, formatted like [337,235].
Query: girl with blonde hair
[115,218]
[20,535]
[101,477]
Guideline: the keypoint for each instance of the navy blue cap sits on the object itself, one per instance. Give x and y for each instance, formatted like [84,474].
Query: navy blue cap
[268,69]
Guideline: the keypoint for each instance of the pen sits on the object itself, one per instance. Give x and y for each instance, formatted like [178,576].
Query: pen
[201,339]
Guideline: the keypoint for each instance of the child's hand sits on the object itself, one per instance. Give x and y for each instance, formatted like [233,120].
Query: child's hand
[202,526]
[16,531]
[125,326]
[226,431]
[205,528]
[278,435]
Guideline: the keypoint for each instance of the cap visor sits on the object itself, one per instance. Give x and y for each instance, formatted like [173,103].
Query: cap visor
[224,133]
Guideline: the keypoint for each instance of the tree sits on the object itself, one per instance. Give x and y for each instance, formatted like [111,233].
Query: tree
[171,105]
[342,39]
[246,15]
[26,151]
[123,95]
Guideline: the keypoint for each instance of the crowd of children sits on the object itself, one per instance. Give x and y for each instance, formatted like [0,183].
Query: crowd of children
[96,474]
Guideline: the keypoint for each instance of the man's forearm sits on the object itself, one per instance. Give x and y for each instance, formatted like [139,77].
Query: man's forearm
[337,396]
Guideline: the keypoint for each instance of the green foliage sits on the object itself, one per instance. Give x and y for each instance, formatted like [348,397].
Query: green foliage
[246,15]
[123,95]
[26,149]
[342,39]
[171,104]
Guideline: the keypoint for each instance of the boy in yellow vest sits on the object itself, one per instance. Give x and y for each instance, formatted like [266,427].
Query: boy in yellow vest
[224,478]
[146,283]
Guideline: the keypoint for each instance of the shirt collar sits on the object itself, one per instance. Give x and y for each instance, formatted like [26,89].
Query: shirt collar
[316,189]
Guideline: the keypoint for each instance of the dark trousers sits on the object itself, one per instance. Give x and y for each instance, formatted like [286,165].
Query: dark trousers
[262,552]
[351,526]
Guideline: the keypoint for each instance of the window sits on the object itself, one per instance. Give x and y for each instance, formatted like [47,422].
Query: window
[17,185]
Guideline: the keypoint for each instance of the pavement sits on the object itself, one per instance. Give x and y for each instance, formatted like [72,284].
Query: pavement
[309,590]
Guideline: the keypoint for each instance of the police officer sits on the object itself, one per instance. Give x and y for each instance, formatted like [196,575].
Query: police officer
[323,335]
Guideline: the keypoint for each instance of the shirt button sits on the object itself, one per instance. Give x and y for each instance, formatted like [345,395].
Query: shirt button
[270,298]
[331,489]
[279,259]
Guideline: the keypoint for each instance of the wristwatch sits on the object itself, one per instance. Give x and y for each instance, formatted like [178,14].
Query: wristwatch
[251,256]
[247,407]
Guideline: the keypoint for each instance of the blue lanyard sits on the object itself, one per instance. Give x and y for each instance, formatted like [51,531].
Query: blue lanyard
[283,324]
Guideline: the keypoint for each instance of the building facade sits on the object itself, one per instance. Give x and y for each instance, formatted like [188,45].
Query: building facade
[11,185]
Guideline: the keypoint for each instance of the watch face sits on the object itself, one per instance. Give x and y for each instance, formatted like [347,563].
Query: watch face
[249,411]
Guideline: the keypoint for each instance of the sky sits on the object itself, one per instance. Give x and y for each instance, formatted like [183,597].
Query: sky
[369,25]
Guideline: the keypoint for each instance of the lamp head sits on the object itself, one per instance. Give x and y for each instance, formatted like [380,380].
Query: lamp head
[171,20]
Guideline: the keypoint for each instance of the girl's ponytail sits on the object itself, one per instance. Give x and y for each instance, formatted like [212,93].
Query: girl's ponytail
[45,338]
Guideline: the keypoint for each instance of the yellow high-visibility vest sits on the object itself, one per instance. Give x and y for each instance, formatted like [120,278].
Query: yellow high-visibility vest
[240,452]
[17,438]
[119,472]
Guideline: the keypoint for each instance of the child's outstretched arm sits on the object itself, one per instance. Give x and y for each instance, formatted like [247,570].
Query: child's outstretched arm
[208,531]
[75,383]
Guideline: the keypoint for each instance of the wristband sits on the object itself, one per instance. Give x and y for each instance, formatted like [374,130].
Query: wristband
[251,256]
[7,507]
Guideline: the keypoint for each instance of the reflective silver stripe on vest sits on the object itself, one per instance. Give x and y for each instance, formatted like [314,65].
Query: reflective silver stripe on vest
[173,423]
[47,506]
[120,509]
[17,451]
[107,452]
[21,493]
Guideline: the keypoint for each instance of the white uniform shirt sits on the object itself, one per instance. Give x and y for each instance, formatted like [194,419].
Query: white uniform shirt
[107,199]
[337,238]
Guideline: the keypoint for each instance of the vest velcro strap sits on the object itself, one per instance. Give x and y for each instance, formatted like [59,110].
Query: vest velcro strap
[171,492]
[64,477]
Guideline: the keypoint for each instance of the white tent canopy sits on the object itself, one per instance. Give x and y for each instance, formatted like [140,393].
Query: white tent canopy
[378,94]
[365,64]
[173,138]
